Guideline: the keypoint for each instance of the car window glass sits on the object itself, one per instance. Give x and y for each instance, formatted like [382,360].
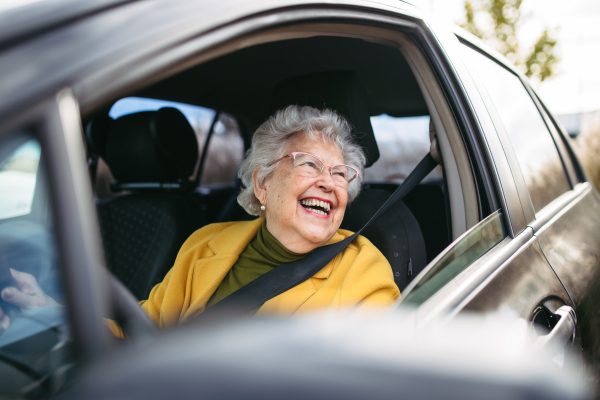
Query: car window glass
[225,148]
[402,143]
[560,143]
[200,118]
[18,174]
[533,145]
[34,341]
[457,258]
[225,152]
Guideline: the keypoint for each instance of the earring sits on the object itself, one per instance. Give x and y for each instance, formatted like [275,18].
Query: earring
[263,207]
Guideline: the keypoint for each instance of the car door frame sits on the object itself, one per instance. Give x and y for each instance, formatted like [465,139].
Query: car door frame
[88,85]
[93,86]
[55,122]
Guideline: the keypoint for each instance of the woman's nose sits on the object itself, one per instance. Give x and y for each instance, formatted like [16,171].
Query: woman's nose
[325,180]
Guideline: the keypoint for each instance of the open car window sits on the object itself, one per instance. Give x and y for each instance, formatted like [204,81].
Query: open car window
[34,343]
[402,142]
[403,101]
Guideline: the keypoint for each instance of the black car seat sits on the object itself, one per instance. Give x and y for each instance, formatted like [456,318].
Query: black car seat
[151,155]
[396,233]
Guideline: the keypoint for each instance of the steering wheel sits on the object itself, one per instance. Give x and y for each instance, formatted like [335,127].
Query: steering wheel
[128,313]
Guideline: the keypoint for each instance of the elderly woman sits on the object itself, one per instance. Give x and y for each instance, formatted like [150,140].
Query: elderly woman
[301,171]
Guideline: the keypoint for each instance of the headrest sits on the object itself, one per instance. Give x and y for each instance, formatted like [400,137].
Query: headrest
[151,146]
[96,133]
[337,90]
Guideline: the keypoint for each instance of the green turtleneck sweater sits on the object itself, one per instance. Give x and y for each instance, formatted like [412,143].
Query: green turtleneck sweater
[262,254]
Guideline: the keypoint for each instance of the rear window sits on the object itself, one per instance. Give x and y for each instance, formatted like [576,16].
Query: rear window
[402,143]
[531,140]
[225,147]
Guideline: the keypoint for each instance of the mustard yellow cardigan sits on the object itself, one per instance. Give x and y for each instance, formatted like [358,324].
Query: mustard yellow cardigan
[359,276]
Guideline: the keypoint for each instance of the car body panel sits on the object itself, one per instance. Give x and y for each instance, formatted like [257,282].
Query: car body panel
[23,21]
[133,31]
[575,256]
[520,285]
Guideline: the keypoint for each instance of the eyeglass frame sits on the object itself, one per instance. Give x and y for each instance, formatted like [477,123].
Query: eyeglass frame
[294,153]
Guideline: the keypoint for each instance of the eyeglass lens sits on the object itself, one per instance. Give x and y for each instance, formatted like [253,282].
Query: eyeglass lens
[311,166]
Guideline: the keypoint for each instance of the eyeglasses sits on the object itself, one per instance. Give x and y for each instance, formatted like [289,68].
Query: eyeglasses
[311,166]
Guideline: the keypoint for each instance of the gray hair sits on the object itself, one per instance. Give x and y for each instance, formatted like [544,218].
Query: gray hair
[270,143]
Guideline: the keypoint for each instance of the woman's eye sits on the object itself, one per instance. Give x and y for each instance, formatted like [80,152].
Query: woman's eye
[310,164]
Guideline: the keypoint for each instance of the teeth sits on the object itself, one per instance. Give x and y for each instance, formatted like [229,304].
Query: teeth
[313,202]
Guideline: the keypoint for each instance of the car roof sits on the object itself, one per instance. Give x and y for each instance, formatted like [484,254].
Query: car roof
[53,44]
[21,19]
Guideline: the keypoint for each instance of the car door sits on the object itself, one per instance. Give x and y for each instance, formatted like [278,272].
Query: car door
[499,265]
[47,238]
[551,184]
[560,208]
[569,234]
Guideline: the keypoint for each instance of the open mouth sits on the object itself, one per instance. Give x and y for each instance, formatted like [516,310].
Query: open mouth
[317,206]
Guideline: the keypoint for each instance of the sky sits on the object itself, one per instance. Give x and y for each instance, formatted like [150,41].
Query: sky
[576,88]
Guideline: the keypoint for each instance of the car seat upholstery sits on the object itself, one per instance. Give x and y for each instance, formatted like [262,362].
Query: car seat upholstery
[95,135]
[151,155]
[396,233]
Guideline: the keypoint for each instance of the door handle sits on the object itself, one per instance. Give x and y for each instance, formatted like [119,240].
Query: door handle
[562,333]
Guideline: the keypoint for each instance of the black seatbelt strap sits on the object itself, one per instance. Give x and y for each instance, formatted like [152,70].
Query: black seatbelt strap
[288,275]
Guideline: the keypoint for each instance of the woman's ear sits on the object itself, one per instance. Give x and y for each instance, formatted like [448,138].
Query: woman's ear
[260,190]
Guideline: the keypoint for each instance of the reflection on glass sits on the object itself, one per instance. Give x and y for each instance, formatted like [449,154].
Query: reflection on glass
[462,253]
[534,147]
[17,180]
[35,350]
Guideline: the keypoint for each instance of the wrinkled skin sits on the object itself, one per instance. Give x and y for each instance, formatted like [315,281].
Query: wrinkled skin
[292,225]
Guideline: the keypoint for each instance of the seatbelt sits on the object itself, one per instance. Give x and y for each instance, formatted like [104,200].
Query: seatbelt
[287,275]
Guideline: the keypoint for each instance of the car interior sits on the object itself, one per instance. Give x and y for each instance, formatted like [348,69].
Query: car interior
[154,168]
[156,199]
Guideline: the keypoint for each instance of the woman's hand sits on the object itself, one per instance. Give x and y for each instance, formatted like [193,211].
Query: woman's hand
[27,295]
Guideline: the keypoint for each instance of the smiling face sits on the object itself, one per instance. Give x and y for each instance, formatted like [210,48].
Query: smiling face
[303,212]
